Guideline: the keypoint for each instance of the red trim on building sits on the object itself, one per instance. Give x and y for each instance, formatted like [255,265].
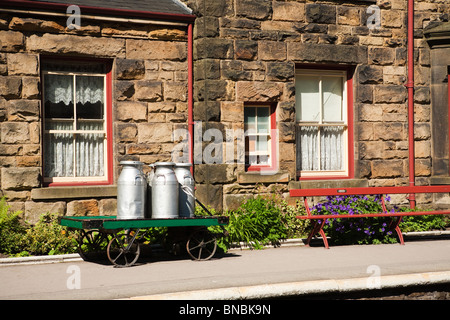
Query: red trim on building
[350,105]
[448,97]
[109,126]
[273,142]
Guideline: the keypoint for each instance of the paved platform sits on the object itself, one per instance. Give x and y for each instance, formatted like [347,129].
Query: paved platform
[239,274]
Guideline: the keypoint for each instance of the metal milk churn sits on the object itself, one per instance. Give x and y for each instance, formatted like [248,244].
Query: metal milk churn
[131,191]
[186,200]
[164,191]
[150,175]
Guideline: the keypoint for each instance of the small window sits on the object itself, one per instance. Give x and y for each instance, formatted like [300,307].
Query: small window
[259,126]
[75,122]
[322,127]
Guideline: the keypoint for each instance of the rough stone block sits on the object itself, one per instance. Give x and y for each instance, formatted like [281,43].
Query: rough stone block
[390,94]
[156,50]
[207,111]
[127,132]
[258,91]
[210,195]
[72,44]
[31,88]
[23,110]
[217,8]
[124,90]
[154,132]
[286,111]
[213,48]
[309,52]
[107,207]
[15,132]
[288,11]
[147,90]
[83,208]
[175,91]
[214,90]
[23,64]
[370,74]
[11,87]
[422,149]
[387,169]
[233,70]
[286,131]
[131,111]
[388,131]
[11,41]
[130,69]
[348,16]
[254,10]
[232,111]
[245,50]
[272,50]
[320,13]
[215,173]
[370,112]
[20,178]
[381,56]
[280,71]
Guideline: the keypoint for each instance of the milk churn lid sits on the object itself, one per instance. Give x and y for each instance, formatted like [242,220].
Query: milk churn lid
[183,164]
[164,164]
[134,163]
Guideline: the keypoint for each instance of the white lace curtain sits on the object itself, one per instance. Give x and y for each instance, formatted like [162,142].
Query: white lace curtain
[320,149]
[70,151]
[59,88]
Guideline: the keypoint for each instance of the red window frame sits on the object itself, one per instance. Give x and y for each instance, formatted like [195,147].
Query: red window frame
[109,124]
[448,131]
[350,150]
[273,141]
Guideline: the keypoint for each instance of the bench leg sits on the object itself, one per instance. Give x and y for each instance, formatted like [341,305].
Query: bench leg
[318,228]
[395,226]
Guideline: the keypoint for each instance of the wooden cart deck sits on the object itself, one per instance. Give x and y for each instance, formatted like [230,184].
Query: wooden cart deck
[111,223]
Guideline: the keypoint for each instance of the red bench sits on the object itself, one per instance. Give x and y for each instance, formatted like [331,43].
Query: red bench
[396,216]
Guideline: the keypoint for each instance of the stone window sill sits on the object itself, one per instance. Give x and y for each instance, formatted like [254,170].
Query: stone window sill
[74,192]
[320,184]
[257,177]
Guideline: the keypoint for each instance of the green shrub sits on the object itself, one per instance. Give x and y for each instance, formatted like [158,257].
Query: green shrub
[11,229]
[47,237]
[423,223]
[257,222]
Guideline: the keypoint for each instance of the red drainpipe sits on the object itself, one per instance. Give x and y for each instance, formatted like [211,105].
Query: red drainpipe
[410,86]
[190,96]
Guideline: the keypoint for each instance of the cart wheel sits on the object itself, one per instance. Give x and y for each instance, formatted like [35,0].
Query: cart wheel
[92,245]
[123,250]
[201,245]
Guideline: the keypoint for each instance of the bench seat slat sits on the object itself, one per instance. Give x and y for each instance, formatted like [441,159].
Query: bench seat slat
[370,215]
[367,191]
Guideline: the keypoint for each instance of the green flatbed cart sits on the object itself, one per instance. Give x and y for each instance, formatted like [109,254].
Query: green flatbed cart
[121,238]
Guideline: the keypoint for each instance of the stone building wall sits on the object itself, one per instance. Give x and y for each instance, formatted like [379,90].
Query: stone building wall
[247,51]
[149,81]
[244,51]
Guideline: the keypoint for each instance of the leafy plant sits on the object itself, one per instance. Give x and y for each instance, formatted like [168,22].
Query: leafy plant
[11,229]
[257,222]
[48,237]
